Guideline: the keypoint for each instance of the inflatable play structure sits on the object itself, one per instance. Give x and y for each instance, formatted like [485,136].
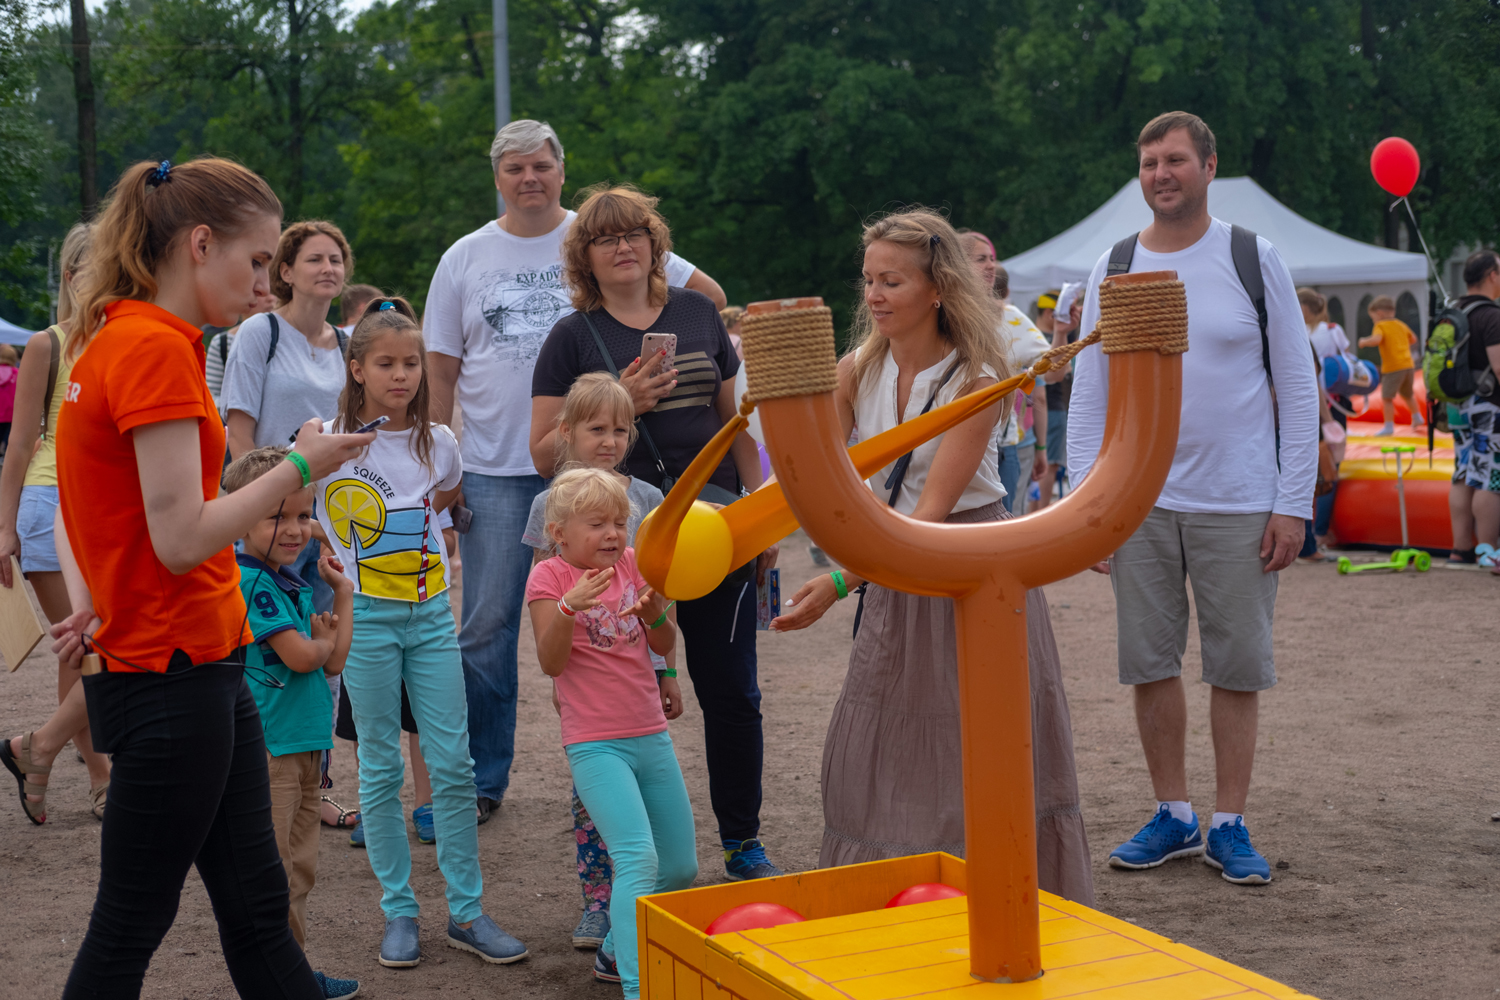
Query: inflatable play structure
[835,936]
[1366,508]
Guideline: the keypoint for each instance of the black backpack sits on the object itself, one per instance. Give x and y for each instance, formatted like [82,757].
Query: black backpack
[223,340]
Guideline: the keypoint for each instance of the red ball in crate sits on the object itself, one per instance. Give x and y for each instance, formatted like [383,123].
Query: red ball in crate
[754,916]
[923,892]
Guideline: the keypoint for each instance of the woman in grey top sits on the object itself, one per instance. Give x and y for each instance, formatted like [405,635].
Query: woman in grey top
[287,366]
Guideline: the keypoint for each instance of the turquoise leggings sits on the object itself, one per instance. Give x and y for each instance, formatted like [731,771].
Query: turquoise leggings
[633,789]
[396,641]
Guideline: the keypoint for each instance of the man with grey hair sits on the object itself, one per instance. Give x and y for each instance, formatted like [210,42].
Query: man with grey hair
[495,296]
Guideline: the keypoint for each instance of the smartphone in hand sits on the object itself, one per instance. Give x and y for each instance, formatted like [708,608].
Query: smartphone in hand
[463,518]
[654,343]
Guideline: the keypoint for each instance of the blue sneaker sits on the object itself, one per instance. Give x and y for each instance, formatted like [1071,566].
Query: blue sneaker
[421,818]
[592,929]
[746,859]
[1229,851]
[357,835]
[1160,840]
[399,948]
[336,989]
[485,938]
[606,969]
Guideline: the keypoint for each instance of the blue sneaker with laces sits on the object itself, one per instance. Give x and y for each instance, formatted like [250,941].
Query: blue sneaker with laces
[421,818]
[746,859]
[1229,851]
[1159,841]
[336,989]
[357,835]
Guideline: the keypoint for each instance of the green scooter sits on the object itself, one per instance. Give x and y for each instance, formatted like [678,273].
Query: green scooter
[1404,556]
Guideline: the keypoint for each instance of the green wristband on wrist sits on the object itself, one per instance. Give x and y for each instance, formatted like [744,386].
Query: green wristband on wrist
[663,620]
[839,585]
[669,672]
[302,467]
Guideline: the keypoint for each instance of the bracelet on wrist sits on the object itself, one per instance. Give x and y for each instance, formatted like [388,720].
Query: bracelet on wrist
[840,586]
[302,467]
[669,672]
[562,605]
[659,622]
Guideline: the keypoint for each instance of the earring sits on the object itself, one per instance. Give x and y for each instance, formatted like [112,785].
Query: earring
[937,305]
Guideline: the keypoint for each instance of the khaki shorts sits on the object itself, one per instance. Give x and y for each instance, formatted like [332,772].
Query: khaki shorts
[1397,383]
[1235,599]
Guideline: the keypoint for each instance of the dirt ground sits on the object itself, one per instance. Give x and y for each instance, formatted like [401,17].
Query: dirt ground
[1374,786]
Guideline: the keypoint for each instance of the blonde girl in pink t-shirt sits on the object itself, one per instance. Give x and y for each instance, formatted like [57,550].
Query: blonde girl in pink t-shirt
[595,617]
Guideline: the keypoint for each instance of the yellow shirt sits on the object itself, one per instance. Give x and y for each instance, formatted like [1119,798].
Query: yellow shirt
[43,468]
[1396,339]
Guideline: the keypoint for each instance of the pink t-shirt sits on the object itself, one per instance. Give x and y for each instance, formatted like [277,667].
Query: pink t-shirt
[608,691]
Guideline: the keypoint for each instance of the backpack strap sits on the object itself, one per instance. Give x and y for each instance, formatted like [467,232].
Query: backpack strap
[1246,253]
[640,424]
[52,362]
[224,348]
[275,338]
[341,338]
[1121,256]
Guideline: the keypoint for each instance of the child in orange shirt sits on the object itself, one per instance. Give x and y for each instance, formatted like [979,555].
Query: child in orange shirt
[1397,371]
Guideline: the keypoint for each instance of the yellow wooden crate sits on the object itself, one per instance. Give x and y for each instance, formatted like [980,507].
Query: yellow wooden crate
[852,948]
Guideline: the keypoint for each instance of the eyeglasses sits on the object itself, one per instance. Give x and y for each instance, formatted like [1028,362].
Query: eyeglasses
[636,238]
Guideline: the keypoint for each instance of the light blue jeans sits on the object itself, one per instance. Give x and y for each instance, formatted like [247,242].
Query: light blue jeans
[633,790]
[396,641]
[496,564]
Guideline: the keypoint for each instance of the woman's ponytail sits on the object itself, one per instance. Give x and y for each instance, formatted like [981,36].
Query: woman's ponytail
[150,206]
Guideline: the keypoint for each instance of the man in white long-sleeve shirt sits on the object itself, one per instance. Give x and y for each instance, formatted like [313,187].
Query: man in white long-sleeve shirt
[1232,511]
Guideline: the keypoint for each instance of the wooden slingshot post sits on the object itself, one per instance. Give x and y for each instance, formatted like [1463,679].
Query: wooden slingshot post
[985,568]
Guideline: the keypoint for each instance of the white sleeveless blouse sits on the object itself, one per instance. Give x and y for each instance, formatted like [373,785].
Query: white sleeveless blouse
[875,411]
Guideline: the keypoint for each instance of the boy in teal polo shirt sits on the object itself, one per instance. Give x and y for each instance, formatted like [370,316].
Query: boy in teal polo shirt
[297,649]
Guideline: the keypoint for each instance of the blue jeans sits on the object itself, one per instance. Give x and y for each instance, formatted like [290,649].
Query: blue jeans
[719,629]
[496,564]
[1010,475]
[396,642]
[1323,511]
[633,790]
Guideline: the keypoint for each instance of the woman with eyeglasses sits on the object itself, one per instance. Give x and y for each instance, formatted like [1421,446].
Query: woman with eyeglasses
[613,259]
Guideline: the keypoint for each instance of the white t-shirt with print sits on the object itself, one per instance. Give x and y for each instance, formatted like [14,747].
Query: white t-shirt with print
[1024,343]
[494,298]
[300,383]
[377,511]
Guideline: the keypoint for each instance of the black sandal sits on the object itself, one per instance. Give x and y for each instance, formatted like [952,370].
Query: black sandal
[21,767]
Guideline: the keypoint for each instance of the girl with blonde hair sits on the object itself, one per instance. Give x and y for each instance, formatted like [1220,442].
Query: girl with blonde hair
[892,773]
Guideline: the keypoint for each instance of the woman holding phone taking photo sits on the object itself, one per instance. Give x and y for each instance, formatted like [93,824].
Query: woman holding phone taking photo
[140,446]
[614,263]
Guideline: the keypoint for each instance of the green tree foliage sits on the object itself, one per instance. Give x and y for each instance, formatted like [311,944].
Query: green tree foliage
[771,129]
[23,159]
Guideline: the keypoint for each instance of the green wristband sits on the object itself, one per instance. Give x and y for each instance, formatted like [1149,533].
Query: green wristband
[839,585]
[659,622]
[669,672]
[302,467]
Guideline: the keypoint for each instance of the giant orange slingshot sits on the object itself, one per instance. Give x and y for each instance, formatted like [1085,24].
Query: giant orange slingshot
[985,568]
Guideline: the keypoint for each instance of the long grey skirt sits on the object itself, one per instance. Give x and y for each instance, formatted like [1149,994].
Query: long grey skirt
[892,763]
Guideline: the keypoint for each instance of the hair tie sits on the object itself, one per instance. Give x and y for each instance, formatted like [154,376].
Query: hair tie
[936,239]
[386,305]
[161,175]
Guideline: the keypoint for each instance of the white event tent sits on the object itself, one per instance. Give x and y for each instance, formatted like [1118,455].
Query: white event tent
[12,334]
[1347,271]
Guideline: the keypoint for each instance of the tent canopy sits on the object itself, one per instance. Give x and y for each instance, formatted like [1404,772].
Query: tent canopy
[12,334]
[1316,256]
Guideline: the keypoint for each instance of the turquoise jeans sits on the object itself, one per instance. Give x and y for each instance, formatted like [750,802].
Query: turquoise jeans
[633,789]
[396,641]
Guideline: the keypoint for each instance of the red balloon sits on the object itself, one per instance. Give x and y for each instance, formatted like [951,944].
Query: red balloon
[1396,166]
[923,892]
[754,916]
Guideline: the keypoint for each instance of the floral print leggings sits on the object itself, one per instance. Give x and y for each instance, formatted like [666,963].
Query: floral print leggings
[595,870]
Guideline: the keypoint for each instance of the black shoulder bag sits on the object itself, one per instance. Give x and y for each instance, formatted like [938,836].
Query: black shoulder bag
[710,493]
[894,481]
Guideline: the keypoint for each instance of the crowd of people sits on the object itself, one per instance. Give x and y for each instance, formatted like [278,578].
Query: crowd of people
[289,500]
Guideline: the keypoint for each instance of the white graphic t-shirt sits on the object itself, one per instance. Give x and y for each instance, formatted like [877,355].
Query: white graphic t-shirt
[494,298]
[377,511]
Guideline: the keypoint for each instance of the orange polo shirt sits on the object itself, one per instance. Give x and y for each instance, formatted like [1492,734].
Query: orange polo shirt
[144,367]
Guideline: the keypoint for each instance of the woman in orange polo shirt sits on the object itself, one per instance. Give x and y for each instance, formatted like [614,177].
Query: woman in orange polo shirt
[139,449]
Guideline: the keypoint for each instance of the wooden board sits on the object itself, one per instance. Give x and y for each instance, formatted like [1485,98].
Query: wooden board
[20,628]
[854,949]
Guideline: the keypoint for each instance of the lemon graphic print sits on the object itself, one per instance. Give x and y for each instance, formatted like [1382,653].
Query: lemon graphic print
[354,508]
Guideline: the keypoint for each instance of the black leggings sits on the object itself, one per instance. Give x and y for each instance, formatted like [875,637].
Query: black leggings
[189,787]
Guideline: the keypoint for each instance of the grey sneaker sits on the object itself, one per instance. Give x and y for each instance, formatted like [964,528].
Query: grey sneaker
[592,929]
[485,939]
[399,949]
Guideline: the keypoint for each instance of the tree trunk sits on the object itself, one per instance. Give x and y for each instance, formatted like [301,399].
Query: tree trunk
[83,93]
[295,122]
